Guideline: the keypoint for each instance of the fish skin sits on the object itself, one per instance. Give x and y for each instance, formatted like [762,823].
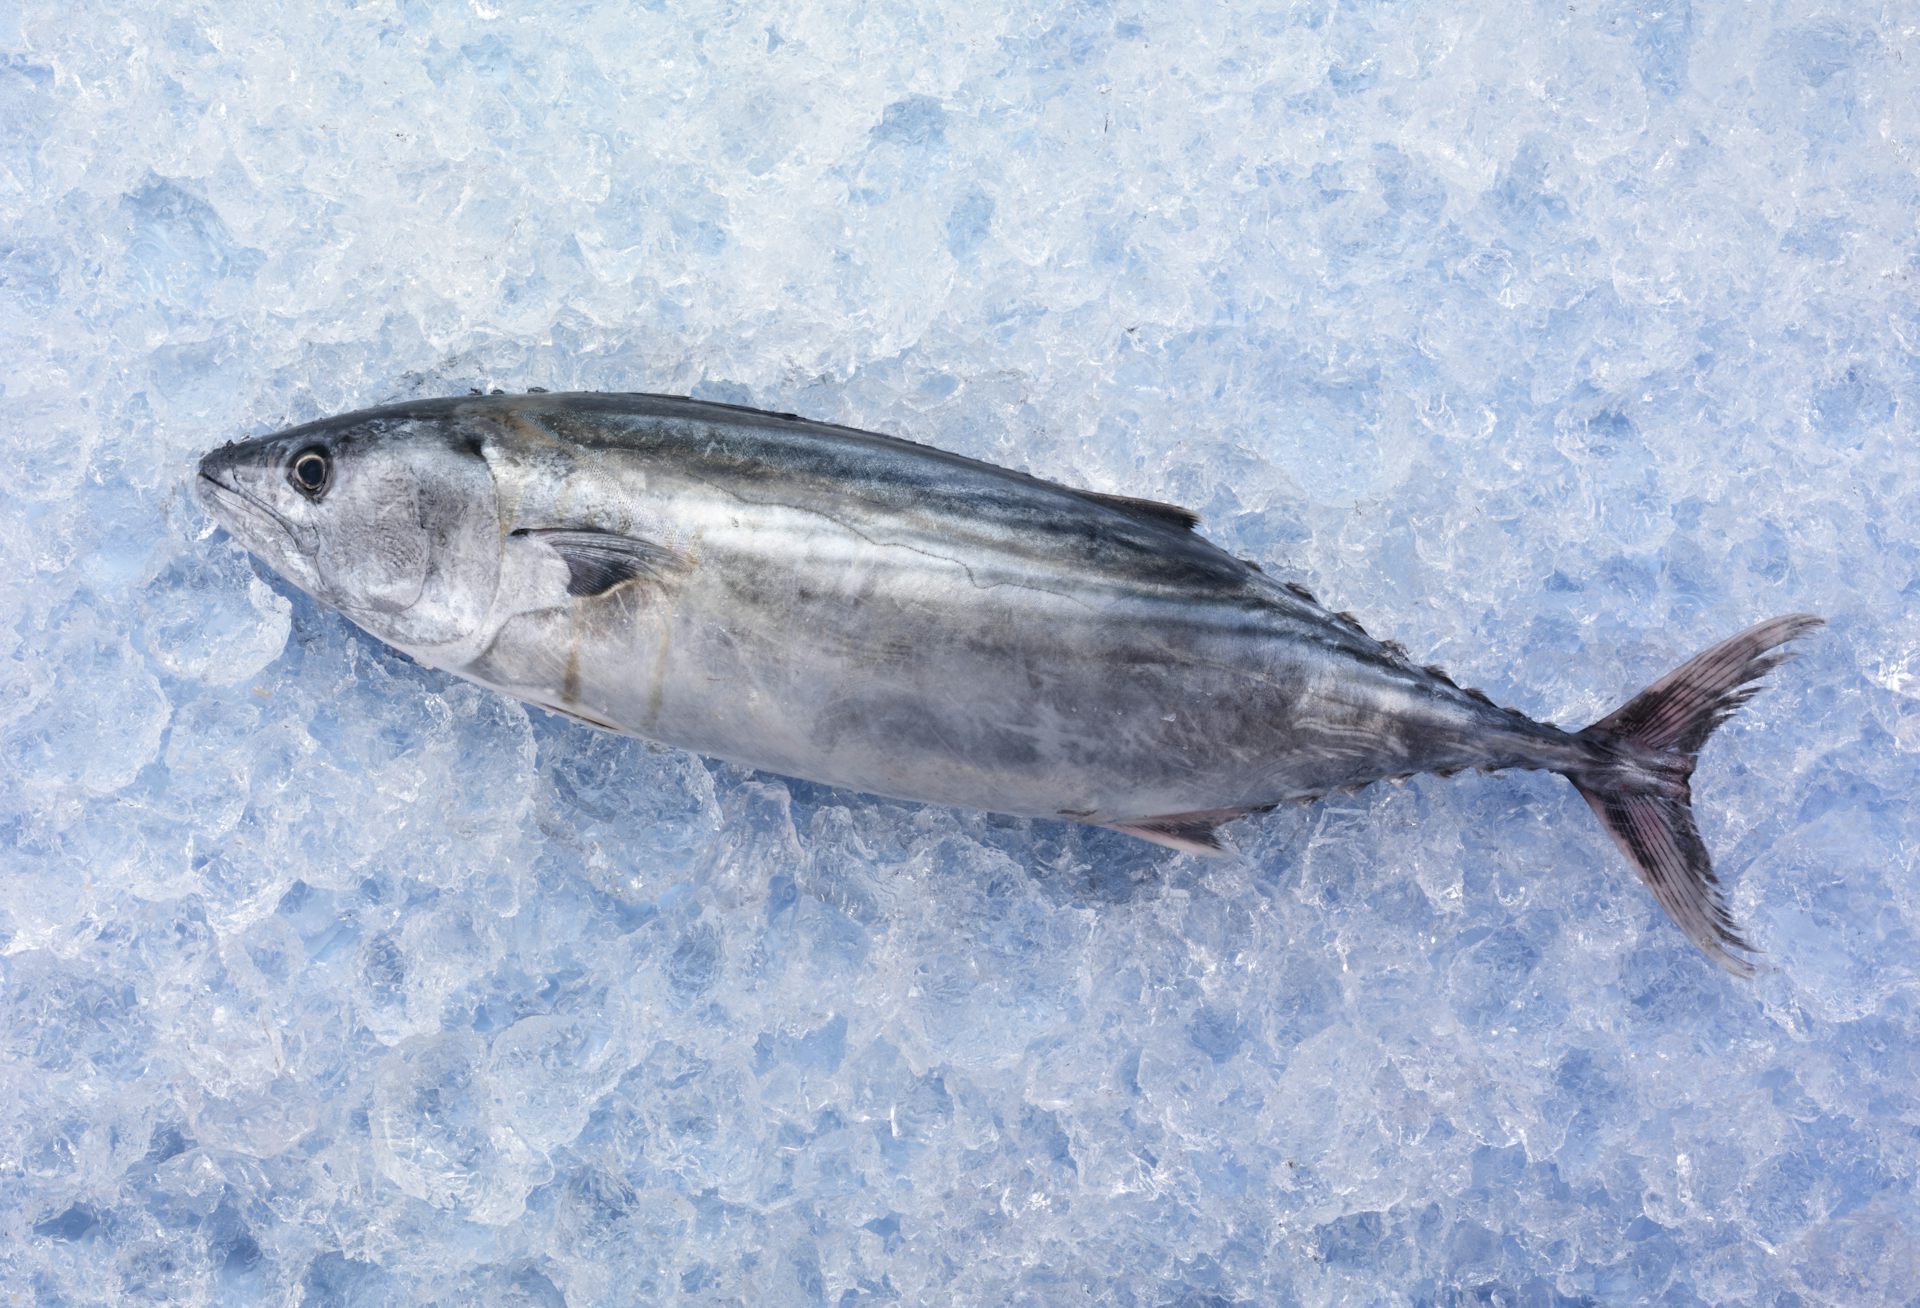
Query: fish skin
[867,612]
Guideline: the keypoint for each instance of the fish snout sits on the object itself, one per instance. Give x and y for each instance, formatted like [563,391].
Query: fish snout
[217,466]
[208,481]
[221,482]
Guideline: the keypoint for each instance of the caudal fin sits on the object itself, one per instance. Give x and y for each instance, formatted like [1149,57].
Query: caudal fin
[1643,754]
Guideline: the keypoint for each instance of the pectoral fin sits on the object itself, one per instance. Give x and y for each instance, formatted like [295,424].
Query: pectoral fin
[597,561]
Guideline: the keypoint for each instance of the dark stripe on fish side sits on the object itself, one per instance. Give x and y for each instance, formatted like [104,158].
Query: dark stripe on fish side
[955,496]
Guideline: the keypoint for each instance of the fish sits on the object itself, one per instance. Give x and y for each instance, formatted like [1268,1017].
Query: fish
[871,613]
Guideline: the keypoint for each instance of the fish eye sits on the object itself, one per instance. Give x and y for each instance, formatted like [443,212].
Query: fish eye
[310,471]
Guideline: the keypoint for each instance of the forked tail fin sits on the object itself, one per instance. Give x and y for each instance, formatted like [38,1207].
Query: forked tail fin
[1643,754]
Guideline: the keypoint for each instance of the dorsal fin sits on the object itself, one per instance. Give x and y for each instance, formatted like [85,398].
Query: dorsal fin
[1167,515]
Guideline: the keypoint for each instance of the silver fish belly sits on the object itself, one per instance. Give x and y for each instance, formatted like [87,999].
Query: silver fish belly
[867,612]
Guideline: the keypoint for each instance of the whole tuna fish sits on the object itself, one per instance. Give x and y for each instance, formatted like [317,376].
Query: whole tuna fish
[871,613]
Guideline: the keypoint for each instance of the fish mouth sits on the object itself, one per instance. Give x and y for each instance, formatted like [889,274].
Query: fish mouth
[242,513]
[217,496]
[206,485]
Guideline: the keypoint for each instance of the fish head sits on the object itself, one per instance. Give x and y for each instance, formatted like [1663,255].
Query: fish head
[389,516]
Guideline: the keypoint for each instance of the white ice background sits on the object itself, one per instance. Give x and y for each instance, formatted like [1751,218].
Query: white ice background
[1557,340]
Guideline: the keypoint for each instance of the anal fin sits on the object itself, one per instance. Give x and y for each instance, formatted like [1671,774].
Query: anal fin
[1190,833]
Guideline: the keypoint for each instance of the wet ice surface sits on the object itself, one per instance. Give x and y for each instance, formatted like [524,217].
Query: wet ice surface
[1556,341]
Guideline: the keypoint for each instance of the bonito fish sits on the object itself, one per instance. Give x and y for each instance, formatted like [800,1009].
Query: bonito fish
[871,613]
